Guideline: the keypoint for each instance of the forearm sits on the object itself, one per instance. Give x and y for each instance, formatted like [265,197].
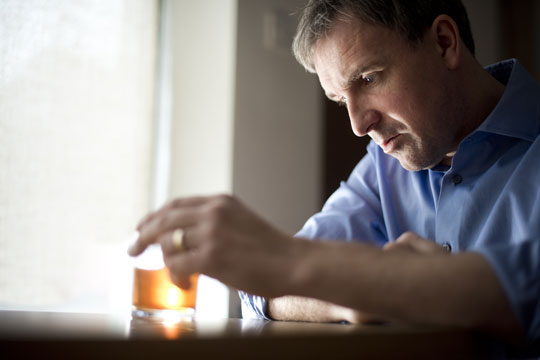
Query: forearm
[459,290]
[296,308]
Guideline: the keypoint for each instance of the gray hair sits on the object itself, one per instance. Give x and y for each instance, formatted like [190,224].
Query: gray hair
[411,18]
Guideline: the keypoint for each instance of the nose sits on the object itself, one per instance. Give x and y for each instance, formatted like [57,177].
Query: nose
[362,120]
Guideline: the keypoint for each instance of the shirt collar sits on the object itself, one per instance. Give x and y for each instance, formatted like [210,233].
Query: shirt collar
[517,114]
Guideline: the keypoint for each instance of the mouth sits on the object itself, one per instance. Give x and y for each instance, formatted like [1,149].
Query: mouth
[389,144]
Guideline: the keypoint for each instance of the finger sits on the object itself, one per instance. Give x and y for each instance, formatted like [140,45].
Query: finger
[168,221]
[395,245]
[422,245]
[183,282]
[181,266]
[175,203]
[412,242]
[167,242]
[401,243]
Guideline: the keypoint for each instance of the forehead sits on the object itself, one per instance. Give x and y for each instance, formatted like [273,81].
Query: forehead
[351,44]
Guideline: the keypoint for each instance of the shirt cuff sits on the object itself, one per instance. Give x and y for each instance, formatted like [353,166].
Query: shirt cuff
[254,307]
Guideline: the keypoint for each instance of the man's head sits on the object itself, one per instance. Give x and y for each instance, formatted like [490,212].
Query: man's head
[399,67]
[411,18]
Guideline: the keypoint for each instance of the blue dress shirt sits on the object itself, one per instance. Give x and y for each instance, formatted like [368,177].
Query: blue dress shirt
[488,201]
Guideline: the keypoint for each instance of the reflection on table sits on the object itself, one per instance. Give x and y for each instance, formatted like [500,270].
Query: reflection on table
[96,336]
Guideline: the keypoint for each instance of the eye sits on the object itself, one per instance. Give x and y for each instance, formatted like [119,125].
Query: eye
[368,79]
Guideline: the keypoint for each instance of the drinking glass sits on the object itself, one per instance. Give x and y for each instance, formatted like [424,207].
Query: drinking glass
[155,297]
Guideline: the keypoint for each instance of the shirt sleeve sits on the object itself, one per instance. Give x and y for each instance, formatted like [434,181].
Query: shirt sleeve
[253,307]
[352,213]
[517,266]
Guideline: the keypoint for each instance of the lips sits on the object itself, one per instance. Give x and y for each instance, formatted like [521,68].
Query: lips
[389,144]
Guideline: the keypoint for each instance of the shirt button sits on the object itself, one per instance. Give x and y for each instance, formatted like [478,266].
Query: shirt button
[457,179]
[447,247]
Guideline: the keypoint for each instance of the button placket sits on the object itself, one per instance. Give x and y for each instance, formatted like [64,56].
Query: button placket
[445,210]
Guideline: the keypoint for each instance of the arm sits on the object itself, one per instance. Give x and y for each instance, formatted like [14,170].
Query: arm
[438,289]
[227,241]
[297,308]
[306,309]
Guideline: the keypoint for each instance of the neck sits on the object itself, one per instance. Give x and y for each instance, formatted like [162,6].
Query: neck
[485,93]
[480,95]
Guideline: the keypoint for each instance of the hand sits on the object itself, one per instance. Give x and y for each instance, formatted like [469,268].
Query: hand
[410,241]
[222,239]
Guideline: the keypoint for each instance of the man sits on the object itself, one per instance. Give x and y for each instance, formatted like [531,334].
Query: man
[439,222]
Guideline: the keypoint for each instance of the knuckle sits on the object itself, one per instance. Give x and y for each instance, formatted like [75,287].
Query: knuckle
[225,198]
[162,221]
[224,201]
[217,212]
[405,237]
[212,231]
[167,221]
[175,203]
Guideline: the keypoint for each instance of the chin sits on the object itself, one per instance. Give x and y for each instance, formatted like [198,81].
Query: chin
[411,167]
[417,164]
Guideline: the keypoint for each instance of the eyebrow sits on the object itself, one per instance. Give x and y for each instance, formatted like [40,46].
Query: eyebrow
[370,66]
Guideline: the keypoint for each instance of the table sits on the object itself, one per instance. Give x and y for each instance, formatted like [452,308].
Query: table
[41,335]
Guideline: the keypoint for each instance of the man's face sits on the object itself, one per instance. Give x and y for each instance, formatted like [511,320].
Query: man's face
[400,97]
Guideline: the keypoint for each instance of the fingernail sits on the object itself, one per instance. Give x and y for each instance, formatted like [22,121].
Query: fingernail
[132,240]
[132,250]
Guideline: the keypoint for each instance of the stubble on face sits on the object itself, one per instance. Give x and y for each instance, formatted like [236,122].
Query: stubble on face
[410,96]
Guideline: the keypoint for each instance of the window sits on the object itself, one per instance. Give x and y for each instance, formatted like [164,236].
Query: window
[76,124]
[82,157]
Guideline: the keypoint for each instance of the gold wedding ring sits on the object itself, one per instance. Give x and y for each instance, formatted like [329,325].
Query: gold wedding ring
[178,239]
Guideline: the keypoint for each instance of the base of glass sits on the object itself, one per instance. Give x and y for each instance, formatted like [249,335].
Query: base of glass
[163,315]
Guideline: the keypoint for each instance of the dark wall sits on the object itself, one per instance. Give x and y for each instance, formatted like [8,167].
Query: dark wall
[342,149]
[520,36]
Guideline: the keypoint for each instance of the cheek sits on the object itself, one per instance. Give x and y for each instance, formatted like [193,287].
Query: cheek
[405,109]
[420,107]
[421,86]
[405,93]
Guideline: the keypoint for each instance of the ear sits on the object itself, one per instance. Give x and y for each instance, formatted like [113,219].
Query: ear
[447,40]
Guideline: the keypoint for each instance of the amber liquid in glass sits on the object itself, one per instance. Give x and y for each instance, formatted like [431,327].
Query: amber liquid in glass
[154,291]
